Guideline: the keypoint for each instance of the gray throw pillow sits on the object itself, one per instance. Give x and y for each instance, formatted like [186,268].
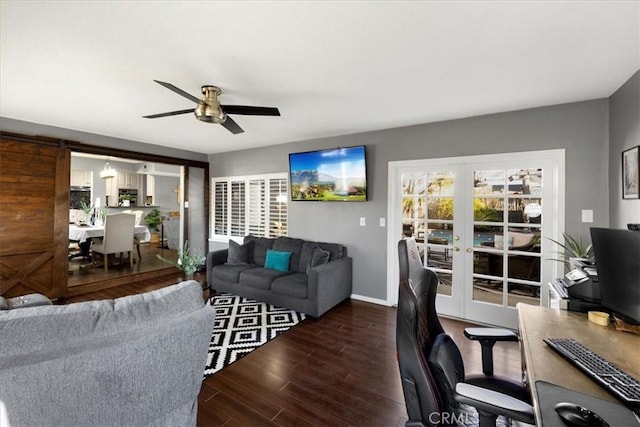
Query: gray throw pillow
[318,257]
[239,254]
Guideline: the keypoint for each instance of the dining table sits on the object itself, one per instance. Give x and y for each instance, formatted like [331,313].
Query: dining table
[82,234]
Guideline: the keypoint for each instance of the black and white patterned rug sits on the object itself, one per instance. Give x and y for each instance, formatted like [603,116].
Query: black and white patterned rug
[241,326]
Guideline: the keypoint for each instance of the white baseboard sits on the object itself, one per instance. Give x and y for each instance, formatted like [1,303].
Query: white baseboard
[371,300]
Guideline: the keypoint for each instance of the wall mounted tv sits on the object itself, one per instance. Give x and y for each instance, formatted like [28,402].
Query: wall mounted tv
[338,174]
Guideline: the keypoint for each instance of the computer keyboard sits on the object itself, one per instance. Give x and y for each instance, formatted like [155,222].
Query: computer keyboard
[625,387]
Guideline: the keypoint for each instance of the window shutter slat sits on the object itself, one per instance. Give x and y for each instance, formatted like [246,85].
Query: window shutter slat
[256,205]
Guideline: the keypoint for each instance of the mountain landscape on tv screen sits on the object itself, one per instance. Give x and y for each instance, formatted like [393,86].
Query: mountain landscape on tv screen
[312,185]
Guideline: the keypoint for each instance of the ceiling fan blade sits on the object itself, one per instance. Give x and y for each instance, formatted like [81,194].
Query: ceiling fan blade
[178,91]
[250,111]
[170,113]
[232,126]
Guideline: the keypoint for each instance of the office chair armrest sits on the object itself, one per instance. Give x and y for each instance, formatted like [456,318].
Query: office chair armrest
[488,337]
[495,403]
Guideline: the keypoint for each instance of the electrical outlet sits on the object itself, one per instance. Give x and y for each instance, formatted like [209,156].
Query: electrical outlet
[382,222]
[587,216]
[363,221]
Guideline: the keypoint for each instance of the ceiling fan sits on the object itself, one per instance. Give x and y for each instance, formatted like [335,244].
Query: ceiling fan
[210,110]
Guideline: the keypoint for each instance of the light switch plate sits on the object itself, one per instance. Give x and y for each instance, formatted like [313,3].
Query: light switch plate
[382,222]
[363,221]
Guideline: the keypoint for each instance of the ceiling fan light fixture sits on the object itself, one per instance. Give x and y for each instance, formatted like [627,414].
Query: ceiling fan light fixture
[208,110]
[209,113]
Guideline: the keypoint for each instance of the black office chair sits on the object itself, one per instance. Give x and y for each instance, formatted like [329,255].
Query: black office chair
[435,387]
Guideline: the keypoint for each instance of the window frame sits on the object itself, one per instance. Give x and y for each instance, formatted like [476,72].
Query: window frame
[257,207]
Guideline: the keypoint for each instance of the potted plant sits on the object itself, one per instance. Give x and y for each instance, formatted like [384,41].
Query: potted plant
[86,208]
[571,249]
[187,261]
[125,200]
[153,220]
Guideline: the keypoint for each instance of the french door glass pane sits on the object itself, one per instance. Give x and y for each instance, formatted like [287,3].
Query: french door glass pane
[487,291]
[440,183]
[525,293]
[413,208]
[440,208]
[511,250]
[414,184]
[439,232]
[488,182]
[525,181]
[444,283]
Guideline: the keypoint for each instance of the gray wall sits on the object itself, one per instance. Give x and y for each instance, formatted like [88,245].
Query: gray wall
[165,198]
[197,211]
[580,128]
[624,133]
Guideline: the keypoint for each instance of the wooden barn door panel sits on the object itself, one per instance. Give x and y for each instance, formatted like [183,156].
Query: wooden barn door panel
[34,214]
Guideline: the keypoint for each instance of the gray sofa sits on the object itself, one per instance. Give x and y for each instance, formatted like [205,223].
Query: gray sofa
[318,275]
[136,360]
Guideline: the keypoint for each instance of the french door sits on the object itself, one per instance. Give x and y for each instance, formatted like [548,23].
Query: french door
[483,224]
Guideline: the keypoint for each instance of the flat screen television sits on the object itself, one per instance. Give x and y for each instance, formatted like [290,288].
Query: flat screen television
[617,256]
[338,174]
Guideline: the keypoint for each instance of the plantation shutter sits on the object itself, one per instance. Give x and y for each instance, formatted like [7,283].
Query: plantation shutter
[257,210]
[220,208]
[238,208]
[255,205]
[278,207]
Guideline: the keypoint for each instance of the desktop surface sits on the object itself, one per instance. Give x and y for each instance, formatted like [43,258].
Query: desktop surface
[541,363]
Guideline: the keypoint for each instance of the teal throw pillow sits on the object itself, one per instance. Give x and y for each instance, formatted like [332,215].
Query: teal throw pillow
[277,260]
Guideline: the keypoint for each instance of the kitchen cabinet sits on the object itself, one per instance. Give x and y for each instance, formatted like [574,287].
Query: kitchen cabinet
[131,181]
[80,178]
[123,181]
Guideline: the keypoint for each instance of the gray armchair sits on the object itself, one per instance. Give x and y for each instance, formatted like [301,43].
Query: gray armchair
[137,360]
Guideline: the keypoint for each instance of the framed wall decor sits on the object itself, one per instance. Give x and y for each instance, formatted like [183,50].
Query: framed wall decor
[631,173]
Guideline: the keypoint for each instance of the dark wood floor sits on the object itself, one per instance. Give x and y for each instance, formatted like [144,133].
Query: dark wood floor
[340,370]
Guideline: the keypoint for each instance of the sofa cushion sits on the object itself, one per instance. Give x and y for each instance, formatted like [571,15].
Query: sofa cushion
[277,260]
[260,246]
[318,257]
[260,278]
[239,254]
[294,285]
[33,329]
[289,244]
[229,272]
[335,250]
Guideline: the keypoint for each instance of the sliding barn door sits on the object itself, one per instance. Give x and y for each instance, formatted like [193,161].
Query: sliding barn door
[34,215]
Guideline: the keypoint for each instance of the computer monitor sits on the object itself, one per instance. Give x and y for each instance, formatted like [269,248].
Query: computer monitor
[617,256]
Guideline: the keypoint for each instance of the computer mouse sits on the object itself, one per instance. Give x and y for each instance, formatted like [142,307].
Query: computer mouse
[578,416]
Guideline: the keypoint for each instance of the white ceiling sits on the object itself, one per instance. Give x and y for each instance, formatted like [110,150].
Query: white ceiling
[331,67]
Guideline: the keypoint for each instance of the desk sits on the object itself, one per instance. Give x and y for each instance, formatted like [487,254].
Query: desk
[542,363]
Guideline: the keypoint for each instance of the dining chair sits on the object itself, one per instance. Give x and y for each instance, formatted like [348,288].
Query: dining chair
[139,215]
[118,238]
